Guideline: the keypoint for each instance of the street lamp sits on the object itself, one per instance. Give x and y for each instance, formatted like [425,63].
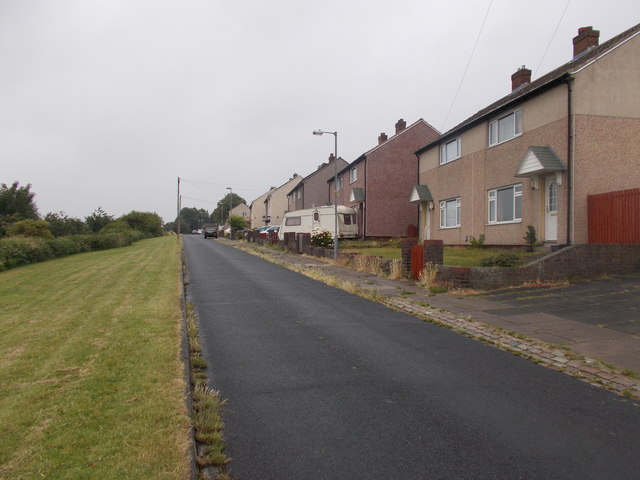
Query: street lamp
[230,207]
[335,192]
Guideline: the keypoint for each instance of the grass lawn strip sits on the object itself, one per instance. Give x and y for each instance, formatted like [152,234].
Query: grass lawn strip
[92,380]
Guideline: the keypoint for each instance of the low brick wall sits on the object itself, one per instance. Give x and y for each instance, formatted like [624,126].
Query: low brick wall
[576,261]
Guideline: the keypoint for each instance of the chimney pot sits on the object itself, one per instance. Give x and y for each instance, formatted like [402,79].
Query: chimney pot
[331,158]
[520,78]
[400,126]
[382,138]
[586,39]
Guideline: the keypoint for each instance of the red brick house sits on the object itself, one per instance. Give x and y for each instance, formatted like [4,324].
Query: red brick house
[379,182]
[312,191]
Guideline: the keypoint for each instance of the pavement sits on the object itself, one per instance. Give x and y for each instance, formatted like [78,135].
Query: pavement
[587,329]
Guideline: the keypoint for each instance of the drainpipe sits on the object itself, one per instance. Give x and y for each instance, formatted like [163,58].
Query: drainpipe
[570,144]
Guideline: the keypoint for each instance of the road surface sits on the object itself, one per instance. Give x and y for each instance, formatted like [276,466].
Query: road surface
[322,384]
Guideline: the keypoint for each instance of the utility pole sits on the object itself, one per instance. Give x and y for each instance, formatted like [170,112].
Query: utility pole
[230,203]
[178,216]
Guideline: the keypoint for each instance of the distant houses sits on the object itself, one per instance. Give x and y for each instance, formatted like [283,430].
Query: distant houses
[560,153]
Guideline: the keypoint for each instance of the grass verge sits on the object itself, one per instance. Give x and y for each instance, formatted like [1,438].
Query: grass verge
[92,379]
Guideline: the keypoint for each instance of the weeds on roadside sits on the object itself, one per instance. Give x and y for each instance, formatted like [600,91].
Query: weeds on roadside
[396,271]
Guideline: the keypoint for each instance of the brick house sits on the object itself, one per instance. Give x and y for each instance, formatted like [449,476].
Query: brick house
[312,191]
[538,155]
[379,182]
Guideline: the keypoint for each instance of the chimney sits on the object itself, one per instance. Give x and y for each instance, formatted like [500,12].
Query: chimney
[331,158]
[400,126]
[382,138]
[586,39]
[520,78]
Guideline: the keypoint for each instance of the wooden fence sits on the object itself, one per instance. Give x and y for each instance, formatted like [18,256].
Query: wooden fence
[614,217]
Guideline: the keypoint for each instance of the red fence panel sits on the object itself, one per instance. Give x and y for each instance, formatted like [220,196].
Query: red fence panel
[614,217]
[417,260]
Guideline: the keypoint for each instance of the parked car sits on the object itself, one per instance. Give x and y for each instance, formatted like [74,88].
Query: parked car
[272,229]
[211,232]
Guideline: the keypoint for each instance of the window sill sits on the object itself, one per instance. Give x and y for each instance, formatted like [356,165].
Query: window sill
[511,222]
[504,141]
[449,228]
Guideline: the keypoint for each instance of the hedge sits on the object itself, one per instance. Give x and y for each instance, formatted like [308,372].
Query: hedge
[17,251]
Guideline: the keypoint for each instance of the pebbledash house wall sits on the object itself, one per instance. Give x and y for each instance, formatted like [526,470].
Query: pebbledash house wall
[605,111]
[607,129]
[481,168]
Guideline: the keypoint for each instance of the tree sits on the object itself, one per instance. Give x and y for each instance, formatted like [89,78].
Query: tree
[221,213]
[62,225]
[16,203]
[192,219]
[237,222]
[146,222]
[98,220]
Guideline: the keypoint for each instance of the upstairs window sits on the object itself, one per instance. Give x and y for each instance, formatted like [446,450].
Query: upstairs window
[353,174]
[505,204]
[339,184]
[450,213]
[505,128]
[450,151]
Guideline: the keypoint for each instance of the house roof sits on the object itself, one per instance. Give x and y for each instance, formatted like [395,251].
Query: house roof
[363,157]
[538,86]
[357,195]
[539,161]
[322,167]
[420,193]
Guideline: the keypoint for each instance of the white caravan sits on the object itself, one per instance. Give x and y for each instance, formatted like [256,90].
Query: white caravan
[306,221]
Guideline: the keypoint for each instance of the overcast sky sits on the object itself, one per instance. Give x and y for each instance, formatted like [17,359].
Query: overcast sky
[107,102]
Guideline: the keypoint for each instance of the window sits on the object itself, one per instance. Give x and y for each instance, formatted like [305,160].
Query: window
[353,174]
[450,213]
[293,221]
[349,219]
[450,151]
[298,194]
[339,184]
[505,128]
[505,204]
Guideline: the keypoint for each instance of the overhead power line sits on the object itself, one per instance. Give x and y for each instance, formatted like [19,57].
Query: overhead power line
[535,72]
[473,51]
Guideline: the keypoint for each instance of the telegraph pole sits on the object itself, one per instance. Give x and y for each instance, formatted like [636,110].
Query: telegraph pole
[178,216]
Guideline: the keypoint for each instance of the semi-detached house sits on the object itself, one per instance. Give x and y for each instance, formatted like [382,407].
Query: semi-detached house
[561,153]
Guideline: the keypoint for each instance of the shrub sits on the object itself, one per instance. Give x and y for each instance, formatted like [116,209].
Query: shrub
[321,237]
[477,242]
[18,251]
[503,259]
[30,228]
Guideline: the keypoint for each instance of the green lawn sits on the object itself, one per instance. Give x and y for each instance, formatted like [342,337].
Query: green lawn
[92,381]
[460,257]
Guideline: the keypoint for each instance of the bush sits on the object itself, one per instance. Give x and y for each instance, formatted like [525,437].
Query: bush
[18,251]
[322,238]
[502,260]
[30,228]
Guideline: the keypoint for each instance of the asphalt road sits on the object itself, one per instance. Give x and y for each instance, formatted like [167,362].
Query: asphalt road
[322,384]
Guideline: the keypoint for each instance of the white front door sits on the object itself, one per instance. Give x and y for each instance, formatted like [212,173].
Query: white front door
[551,210]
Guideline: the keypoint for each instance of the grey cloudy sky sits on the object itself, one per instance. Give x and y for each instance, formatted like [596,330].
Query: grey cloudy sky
[107,102]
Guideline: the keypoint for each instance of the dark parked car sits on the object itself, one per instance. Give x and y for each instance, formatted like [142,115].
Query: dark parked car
[211,232]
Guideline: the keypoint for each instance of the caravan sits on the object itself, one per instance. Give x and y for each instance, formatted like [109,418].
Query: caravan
[306,221]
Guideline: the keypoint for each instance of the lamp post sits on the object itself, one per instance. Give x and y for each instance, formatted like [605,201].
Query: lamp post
[230,207]
[335,191]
